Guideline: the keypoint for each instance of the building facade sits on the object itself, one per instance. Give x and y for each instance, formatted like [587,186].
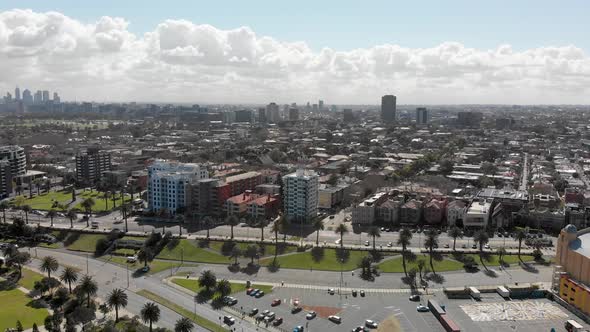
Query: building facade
[17,160]
[301,196]
[388,105]
[421,116]
[91,165]
[5,179]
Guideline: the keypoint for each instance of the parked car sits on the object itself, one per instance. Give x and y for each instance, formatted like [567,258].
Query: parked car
[229,320]
[360,329]
[275,302]
[354,292]
[265,312]
[259,294]
[366,243]
[254,292]
[278,321]
[249,291]
[415,297]
[464,246]
[389,244]
[295,310]
[474,246]
[446,245]
[253,312]
[422,308]
[335,319]
[331,291]
[298,329]
[371,323]
[230,300]
[311,315]
[362,292]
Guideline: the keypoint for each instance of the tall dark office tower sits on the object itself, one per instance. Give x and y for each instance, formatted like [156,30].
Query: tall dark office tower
[17,93]
[421,116]
[388,108]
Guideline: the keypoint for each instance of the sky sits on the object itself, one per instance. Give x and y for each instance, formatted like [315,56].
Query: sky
[344,52]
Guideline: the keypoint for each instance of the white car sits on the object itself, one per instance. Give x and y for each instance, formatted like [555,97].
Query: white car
[371,323]
[366,243]
[310,315]
[335,319]
[389,244]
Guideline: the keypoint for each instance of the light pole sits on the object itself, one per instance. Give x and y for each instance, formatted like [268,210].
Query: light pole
[86,263]
[127,265]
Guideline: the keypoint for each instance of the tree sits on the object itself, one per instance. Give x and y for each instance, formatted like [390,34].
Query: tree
[341,229]
[235,253]
[19,201]
[106,196]
[431,242]
[520,236]
[69,276]
[455,232]
[26,209]
[251,252]
[420,264]
[276,227]
[232,221]
[72,215]
[88,287]
[180,220]
[207,279]
[489,168]
[87,204]
[223,288]
[207,222]
[446,166]
[150,313]
[365,265]
[3,207]
[318,225]
[375,233]
[262,224]
[183,325]
[482,238]
[19,326]
[49,264]
[145,255]
[405,235]
[18,259]
[501,252]
[35,327]
[117,299]
[125,209]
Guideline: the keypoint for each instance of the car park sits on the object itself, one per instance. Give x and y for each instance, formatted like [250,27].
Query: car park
[422,308]
[371,323]
[335,319]
[310,315]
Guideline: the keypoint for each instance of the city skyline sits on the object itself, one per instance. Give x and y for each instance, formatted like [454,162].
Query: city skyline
[195,62]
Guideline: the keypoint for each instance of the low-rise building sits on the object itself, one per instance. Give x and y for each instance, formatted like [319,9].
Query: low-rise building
[434,211]
[456,213]
[411,212]
[477,214]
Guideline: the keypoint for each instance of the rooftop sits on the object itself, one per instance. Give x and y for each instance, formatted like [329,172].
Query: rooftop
[242,176]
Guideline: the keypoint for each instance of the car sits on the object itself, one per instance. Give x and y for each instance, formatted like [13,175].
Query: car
[388,230]
[371,323]
[269,319]
[310,315]
[145,269]
[298,329]
[360,329]
[422,308]
[249,291]
[254,292]
[275,302]
[474,246]
[337,241]
[335,319]
[278,321]
[383,229]
[265,312]
[61,214]
[230,300]
[331,291]
[389,244]
[413,230]
[446,245]
[362,292]
[331,217]
[499,234]
[366,243]
[354,292]
[464,246]
[487,246]
[415,297]
[229,320]
[131,259]
[259,294]
[260,317]
[253,312]
[295,310]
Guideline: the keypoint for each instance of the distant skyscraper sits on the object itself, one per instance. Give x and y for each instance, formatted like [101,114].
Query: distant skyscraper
[8,98]
[272,113]
[56,99]
[45,96]
[347,115]
[27,97]
[388,108]
[301,196]
[321,105]
[294,114]
[262,115]
[38,97]
[421,116]
[17,93]
[243,116]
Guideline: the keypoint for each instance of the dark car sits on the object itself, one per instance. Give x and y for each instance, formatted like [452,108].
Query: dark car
[253,312]
[295,310]
[278,321]
[415,297]
[229,320]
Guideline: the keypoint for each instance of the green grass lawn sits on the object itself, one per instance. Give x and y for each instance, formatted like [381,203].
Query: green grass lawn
[199,320]
[304,260]
[16,306]
[508,259]
[55,245]
[192,253]
[269,249]
[100,204]
[125,252]
[193,285]
[28,280]
[45,201]
[395,265]
[86,242]
[155,265]
[134,238]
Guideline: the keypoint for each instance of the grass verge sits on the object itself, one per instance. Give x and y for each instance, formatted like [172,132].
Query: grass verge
[328,262]
[16,306]
[28,279]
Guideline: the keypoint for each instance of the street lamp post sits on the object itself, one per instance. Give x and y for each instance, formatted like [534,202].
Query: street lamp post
[127,265]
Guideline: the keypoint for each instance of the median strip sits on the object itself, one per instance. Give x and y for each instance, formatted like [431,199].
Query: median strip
[199,320]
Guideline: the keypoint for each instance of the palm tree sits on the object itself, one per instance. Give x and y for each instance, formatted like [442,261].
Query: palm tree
[144,255]
[69,276]
[501,252]
[150,313]
[71,214]
[106,196]
[520,236]
[3,207]
[283,226]
[405,235]
[51,214]
[180,220]
[125,211]
[117,299]
[49,264]
[26,209]
[207,222]
[455,232]
[88,287]
[87,204]
[318,225]
[482,238]
[183,325]
[262,224]
[420,264]
[341,229]
[374,232]
[232,221]
[224,287]
[276,227]
[251,252]
[235,254]
[207,279]
[431,242]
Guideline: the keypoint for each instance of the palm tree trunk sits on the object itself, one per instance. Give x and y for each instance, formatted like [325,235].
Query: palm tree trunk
[207,232]
[454,242]
[232,231]
[261,234]
[150,326]
[71,223]
[317,238]
[51,221]
[88,300]
[26,217]
[373,243]
[70,286]
[116,314]
[404,260]
[431,265]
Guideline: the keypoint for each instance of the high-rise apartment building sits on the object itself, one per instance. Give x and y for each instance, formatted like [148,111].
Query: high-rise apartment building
[243,116]
[272,113]
[300,190]
[27,97]
[388,104]
[421,116]
[17,93]
[90,166]
[261,118]
[293,114]
[38,97]
[15,155]
[169,185]
[45,96]
[5,179]
[56,98]
[469,119]
[321,105]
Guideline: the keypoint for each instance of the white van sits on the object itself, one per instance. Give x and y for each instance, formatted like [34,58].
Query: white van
[474,293]
[503,292]
[573,326]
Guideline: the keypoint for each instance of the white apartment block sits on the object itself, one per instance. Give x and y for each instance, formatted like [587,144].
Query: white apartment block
[301,195]
[168,183]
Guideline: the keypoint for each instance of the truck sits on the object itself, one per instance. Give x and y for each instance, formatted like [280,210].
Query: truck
[474,292]
[572,326]
[503,292]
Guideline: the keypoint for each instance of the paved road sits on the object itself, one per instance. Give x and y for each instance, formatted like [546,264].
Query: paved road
[110,276]
[525,172]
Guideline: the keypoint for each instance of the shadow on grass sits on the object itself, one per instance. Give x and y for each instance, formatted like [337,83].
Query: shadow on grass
[204,243]
[37,304]
[317,254]
[342,255]
[274,266]
[203,296]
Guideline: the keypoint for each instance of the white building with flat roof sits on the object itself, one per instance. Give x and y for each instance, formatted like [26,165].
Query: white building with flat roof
[301,195]
[168,184]
[477,214]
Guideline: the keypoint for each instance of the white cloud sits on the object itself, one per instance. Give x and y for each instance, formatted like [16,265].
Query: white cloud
[187,62]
